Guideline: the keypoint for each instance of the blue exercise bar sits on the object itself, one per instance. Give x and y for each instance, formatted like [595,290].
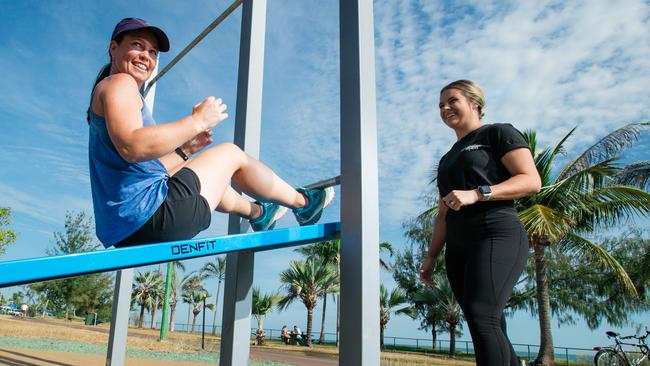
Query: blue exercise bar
[22,271]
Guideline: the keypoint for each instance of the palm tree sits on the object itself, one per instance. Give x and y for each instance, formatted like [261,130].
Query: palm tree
[384,245]
[146,286]
[216,269]
[589,192]
[388,304]
[191,281]
[328,252]
[446,307]
[173,285]
[262,305]
[176,284]
[307,280]
[195,299]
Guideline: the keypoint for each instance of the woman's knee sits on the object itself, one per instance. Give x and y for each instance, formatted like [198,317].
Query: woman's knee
[229,152]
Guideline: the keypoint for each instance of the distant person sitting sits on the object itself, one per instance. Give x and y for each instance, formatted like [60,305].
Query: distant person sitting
[284,335]
[259,338]
[296,333]
[296,336]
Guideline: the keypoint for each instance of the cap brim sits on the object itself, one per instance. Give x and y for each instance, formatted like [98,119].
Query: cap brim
[163,41]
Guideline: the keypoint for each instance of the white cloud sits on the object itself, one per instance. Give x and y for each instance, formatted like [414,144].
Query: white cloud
[544,65]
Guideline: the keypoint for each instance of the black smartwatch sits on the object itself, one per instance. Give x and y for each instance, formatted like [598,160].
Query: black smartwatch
[486,192]
[181,153]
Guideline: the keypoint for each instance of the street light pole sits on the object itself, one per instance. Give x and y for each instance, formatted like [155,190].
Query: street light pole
[203,331]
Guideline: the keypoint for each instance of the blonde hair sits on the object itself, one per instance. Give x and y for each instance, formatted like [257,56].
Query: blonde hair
[471,91]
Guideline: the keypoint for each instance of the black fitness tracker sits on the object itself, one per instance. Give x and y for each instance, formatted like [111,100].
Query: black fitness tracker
[486,192]
[182,154]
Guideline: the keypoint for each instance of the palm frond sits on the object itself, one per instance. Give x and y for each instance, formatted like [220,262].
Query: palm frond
[594,176]
[544,160]
[607,148]
[531,138]
[428,213]
[573,244]
[612,204]
[544,221]
[635,174]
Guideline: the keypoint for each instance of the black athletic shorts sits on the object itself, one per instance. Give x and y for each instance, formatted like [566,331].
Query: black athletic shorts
[182,215]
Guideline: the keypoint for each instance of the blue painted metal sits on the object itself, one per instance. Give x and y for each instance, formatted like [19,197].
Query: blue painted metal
[18,272]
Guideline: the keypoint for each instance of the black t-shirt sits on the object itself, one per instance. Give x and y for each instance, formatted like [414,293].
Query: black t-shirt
[475,160]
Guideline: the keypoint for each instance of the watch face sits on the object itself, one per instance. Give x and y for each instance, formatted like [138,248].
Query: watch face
[485,189]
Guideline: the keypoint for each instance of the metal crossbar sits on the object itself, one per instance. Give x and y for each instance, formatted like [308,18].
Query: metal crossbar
[194,42]
[18,272]
[325,183]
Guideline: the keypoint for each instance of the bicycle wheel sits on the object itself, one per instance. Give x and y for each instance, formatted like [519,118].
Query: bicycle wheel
[608,357]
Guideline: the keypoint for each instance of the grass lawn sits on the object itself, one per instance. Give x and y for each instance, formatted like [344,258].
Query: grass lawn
[73,336]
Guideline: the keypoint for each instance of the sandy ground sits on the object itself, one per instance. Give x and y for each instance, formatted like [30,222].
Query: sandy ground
[177,343]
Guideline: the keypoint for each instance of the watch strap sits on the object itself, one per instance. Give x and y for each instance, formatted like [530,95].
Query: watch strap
[181,153]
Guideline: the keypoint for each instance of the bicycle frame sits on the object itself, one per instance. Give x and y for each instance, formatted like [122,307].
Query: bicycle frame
[618,348]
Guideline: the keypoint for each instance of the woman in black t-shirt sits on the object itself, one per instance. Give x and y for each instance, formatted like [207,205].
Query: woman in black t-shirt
[487,168]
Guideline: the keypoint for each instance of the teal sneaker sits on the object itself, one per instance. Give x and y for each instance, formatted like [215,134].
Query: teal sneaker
[271,213]
[317,200]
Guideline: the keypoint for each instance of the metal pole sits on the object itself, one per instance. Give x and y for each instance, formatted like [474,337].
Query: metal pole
[203,330]
[120,320]
[238,289]
[168,292]
[194,42]
[335,181]
[359,187]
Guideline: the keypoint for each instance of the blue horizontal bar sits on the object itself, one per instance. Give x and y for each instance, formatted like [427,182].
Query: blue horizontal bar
[18,272]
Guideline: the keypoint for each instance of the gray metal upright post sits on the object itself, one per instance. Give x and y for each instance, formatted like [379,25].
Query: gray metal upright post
[120,321]
[359,187]
[236,320]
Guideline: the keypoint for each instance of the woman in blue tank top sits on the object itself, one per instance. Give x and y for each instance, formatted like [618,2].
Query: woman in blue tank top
[149,182]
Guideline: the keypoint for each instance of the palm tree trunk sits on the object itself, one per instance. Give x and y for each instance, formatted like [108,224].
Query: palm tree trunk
[310,316]
[214,312]
[47,301]
[452,340]
[194,322]
[338,318]
[434,336]
[321,339]
[172,316]
[545,356]
[141,320]
[153,317]
[189,310]
[381,336]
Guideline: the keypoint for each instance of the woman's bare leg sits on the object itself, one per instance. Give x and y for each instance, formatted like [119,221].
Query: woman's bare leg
[232,201]
[217,166]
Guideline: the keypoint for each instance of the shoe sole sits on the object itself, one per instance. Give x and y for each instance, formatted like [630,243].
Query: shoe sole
[329,197]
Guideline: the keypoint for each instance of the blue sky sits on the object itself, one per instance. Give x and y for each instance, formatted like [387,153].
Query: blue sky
[544,65]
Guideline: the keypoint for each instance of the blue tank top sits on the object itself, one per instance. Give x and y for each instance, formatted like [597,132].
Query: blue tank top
[125,195]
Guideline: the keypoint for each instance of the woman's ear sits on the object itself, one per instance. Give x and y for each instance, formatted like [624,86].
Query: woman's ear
[111,49]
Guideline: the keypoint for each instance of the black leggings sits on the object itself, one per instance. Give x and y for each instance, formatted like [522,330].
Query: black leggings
[485,256]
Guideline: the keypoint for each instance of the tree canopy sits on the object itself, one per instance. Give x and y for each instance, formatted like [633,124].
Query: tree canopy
[7,236]
[89,293]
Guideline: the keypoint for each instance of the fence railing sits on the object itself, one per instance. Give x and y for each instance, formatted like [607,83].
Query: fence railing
[563,355]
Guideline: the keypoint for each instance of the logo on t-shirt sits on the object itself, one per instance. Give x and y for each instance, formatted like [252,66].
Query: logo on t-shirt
[473,147]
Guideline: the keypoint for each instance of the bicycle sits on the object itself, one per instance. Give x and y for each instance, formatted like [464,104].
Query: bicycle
[615,355]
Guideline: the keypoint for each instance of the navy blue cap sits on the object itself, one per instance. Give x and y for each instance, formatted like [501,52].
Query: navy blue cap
[131,24]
